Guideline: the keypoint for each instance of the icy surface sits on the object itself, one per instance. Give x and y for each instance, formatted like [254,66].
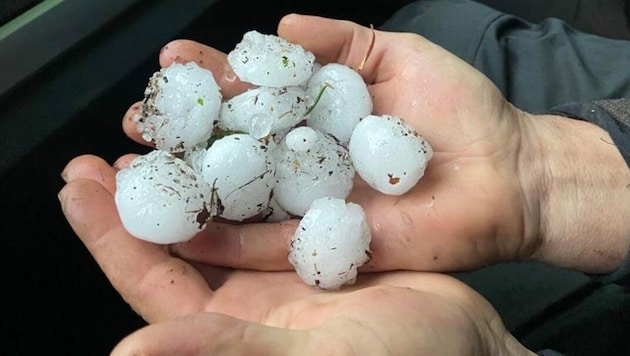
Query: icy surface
[301,139]
[181,104]
[264,111]
[344,100]
[268,60]
[389,154]
[161,199]
[330,243]
[240,168]
[324,170]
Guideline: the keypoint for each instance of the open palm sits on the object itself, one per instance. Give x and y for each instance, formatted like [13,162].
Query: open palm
[199,309]
[475,204]
[396,314]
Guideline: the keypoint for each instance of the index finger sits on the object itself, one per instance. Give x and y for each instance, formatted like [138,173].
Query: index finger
[183,51]
[338,41]
[157,285]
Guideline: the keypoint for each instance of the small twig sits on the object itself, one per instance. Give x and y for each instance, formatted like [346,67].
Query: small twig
[317,98]
[260,176]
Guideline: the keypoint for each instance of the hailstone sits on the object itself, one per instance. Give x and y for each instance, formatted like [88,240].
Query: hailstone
[343,100]
[302,176]
[264,111]
[388,153]
[268,60]
[162,200]
[331,241]
[181,105]
[240,168]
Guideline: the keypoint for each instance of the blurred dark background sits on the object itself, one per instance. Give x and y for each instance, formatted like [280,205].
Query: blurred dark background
[54,298]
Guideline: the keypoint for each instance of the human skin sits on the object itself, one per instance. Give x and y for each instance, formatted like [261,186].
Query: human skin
[503,184]
[198,309]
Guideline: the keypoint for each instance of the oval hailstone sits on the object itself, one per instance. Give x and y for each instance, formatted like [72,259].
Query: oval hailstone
[301,139]
[330,243]
[269,60]
[343,100]
[241,170]
[324,170]
[162,200]
[264,111]
[388,153]
[181,105]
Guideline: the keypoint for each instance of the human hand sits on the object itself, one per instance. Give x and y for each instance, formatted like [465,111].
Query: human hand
[199,309]
[502,185]
[474,206]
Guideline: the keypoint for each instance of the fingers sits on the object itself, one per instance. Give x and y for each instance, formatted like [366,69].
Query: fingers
[182,51]
[211,334]
[124,161]
[157,285]
[337,41]
[251,246]
[91,167]
[129,124]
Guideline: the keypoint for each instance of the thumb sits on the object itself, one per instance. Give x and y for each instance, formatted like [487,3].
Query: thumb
[211,334]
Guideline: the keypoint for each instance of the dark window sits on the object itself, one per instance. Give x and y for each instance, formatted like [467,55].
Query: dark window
[9,9]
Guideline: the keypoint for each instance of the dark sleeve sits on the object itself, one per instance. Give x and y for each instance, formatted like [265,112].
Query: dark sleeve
[614,117]
[535,65]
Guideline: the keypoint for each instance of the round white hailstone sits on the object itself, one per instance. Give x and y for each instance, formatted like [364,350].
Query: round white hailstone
[264,111]
[181,105]
[325,170]
[343,100]
[162,200]
[301,139]
[389,154]
[330,243]
[269,60]
[241,170]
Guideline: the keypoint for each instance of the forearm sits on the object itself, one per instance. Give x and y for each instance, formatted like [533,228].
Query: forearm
[584,195]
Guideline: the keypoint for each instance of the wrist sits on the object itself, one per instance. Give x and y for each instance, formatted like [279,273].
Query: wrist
[581,185]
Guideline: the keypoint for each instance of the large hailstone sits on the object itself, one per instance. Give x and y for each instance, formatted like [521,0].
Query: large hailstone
[241,170]
[343,100]
[330,243]
[272,61]
[181,105]
[310,165]
[162,200]
[264,111]
[389,154]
